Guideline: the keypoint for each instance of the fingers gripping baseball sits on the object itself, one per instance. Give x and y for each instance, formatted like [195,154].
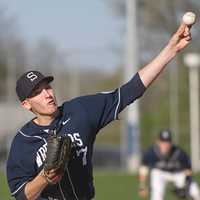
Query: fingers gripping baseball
[183,35]
[181,38]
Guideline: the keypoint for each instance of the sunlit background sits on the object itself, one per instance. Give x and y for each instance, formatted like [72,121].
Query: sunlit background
[90,46]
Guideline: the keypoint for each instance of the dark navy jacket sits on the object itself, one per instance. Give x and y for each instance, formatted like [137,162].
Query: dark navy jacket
[176,161]
[81,119]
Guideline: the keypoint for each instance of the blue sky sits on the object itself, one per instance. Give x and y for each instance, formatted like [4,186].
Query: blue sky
[87,27]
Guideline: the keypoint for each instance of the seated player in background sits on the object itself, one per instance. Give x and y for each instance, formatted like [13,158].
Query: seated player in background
[165,162]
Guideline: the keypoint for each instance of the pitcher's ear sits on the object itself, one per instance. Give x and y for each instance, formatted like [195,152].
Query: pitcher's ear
[26,104]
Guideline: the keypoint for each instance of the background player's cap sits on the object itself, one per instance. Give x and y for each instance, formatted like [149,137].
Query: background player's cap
[165,135]
[28,81]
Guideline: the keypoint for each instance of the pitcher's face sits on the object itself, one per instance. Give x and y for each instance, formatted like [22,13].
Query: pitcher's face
[42,100]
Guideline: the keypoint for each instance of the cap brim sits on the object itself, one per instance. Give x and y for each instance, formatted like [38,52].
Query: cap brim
[47,78]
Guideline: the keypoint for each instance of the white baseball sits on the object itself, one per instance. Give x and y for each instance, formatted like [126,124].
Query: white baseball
[189,18]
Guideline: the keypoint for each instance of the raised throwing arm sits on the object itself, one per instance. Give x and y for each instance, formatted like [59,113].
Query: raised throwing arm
[177,42]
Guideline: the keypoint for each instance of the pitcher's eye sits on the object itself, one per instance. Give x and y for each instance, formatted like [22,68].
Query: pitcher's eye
[44,85]
[36,92]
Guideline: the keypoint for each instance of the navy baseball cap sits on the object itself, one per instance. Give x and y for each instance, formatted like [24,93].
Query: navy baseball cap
[28,82]
[165,135]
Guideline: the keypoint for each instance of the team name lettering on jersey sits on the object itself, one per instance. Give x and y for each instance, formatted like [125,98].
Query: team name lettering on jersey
[81,151]
[41,155]
[75,137]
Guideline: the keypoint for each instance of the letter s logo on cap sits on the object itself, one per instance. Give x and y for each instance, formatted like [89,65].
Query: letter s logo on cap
[31,76]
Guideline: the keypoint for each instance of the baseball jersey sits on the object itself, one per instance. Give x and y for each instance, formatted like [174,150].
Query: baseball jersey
[176,161]
[81,119]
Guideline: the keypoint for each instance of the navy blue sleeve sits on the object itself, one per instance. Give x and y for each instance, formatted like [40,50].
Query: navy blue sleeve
[104,107]
[21,195]
[20,168]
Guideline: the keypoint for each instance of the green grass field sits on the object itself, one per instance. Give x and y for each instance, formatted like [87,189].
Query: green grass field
[118,186]
[4,192]
[109,186]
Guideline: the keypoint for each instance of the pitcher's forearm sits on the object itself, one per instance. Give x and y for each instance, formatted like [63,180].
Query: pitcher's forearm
[178,42]
[34,188]
[150,72]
